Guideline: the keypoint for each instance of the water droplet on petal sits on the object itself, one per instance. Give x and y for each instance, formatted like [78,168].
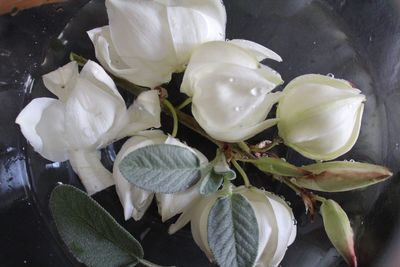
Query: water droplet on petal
[238,108]
[231,80]
[331,75]
[258,91]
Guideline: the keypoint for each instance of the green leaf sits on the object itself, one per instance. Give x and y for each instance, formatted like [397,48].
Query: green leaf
[339,231]
[161,168]
[277,166]
[213,181]
[89,231]
[233,232]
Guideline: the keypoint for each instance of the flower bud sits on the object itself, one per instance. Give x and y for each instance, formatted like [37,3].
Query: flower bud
[231,90]
[274,218]
[319,116]
[339,231]
[147,40]
[339,176]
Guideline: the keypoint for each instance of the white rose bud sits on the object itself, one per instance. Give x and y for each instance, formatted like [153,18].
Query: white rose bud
[147,40]
[88,115]
[319,116]
[135,200]
[231,90]
[275,220]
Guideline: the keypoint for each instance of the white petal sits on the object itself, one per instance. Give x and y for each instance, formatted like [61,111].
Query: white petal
[259,51]
[61,81]
[285,221]
[191,25]
[215,52]
[170,205]
[140,71]
[139,29]
[90,170]
[232,102]
[199,222]
[41,122]
[183,219]
[95,74]
[144,113]
[90,113]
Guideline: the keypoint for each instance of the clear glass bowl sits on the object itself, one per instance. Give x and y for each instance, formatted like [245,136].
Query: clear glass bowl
[356,40]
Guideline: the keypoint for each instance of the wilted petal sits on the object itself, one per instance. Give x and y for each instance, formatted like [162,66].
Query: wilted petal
[140,72]
[259,51]
[42,123]
[90,170]
[61,81]
[144,113]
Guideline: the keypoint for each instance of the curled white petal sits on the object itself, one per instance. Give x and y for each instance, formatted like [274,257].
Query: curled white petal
[90,170]
[259,51]
[141,72]
[61,81]
[144,113]
[42,123]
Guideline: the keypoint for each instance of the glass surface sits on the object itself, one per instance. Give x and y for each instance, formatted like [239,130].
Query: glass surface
[356,40]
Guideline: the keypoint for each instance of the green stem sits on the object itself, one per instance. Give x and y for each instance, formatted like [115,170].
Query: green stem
[149,264]
[174,116]
[184,103]
[319,198]
[242,173]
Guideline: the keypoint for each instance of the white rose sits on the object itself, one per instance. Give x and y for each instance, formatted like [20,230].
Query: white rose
[88,115]
[319,116]
[231,90]
[275,219]
[135,200]
[147,40]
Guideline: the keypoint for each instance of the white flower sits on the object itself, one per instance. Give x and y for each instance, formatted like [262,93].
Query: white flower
[275,219]
[319,116]
[231,90]
[135,200]
[147,40]
[88,115]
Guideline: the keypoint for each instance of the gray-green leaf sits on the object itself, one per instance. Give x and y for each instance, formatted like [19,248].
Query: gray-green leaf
[233,232]
[278,166]
[213,181]
[161,168]
[89,231]
[339,231]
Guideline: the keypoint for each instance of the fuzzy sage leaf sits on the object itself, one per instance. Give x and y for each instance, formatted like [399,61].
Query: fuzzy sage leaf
[161,168]
[233,232]
[213,181]
[89,231]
